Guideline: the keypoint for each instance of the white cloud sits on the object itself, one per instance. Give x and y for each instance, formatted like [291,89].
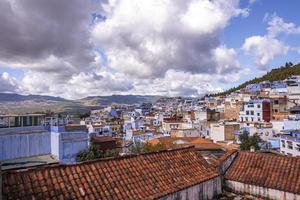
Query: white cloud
[226,59]
[277,25]
[165,47]
[264,49]
[8,83]
[267,47]
[147,38]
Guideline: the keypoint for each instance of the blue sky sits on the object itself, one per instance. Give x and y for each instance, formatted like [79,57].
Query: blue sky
[186,48]
[241,28]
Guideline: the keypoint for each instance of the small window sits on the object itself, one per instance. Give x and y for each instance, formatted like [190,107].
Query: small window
[247,112]
[297,147]
[252,112]
[258,114]
[290,145]
[258,105]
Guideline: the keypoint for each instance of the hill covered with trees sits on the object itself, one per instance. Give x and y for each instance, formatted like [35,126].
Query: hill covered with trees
[276,74]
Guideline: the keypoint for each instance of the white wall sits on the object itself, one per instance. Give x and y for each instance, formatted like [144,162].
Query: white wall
[66,145]
[291,124]
[260,191]
[217,132]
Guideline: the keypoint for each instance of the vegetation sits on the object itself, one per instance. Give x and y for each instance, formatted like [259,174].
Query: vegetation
[249,141]
[84,115]
[147,148]
[93,153]
[277,74]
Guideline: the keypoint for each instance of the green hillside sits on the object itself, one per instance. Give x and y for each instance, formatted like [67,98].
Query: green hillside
[276,74]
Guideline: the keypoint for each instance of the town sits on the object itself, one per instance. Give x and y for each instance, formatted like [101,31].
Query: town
[245,142]
[149,100]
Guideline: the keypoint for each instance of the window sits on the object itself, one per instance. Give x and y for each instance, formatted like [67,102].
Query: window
[275,110]
[258,105]
[252,112]
[290,144]
[246,118]
[258,114]
[242,119]
[276,102]
[297,147]
[247,112]
[258,119]
[252,119]
[283,143]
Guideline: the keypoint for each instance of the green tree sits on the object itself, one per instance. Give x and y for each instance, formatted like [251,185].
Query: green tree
[94,153]
[147,148]
[276,74]
[249,141]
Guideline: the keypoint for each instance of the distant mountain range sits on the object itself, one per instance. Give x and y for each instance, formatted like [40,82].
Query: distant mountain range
[16,103]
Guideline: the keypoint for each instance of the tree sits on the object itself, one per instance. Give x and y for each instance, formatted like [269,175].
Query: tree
[94,153]
[249,141]
[84,115]
[147,148]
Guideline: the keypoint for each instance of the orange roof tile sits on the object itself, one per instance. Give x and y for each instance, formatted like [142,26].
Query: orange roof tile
[197,142]
[144,176]
[266,170]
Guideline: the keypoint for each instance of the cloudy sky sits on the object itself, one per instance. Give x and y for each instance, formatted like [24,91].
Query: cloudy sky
[81,48]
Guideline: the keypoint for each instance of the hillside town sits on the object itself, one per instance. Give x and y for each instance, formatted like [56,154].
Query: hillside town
[242,145]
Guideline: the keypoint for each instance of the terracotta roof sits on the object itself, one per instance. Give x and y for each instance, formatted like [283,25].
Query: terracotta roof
[103,139]
[266,170]
[228,146]
[197,142]
[144,176]
[224,157]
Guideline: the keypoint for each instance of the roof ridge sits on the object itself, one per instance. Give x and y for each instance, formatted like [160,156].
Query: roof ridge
[186,148]
[270,154]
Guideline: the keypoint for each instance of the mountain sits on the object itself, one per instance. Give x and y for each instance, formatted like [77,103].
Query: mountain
[276,74]
[16,103]
[119,99]
[17,97]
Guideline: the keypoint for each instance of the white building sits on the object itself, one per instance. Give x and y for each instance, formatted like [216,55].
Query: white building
[264,130]
[290,143]
[224,131]
[256,111]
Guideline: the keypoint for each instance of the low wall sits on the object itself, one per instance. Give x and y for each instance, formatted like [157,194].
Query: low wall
[269,193]
[204,191]
[19,145]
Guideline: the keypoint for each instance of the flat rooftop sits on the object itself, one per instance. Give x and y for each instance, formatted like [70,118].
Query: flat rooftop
[28,162]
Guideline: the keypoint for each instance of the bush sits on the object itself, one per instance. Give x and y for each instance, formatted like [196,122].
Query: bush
[249,141]
[147,148]
[94,153]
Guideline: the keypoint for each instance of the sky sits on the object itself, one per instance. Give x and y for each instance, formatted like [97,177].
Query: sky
[80,48]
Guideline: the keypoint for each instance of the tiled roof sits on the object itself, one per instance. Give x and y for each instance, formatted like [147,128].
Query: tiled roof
[144,176]
[224,157]
[198,142]
[99,139]
[266,170]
